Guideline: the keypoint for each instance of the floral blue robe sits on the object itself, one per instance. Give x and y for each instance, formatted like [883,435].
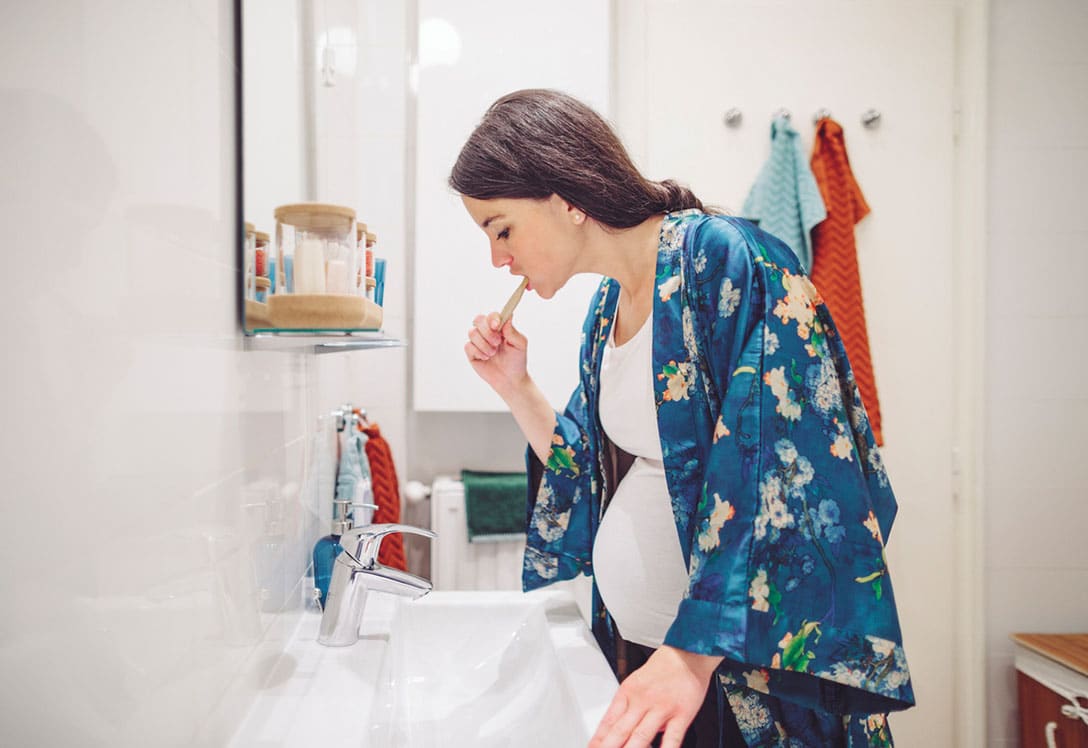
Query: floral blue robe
[780,499]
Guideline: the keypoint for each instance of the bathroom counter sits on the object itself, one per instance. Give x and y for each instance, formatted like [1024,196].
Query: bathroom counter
[320,695]
[1070,650]
[1052,688]
[325,695]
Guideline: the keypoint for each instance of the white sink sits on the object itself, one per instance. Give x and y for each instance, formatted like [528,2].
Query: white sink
[487,670]
[454,669]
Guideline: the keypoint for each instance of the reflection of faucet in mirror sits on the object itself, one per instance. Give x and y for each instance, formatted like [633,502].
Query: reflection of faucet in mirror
[356,572]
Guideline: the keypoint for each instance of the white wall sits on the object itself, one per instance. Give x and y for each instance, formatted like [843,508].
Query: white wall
[1037,410]
[469,57]
[137,428]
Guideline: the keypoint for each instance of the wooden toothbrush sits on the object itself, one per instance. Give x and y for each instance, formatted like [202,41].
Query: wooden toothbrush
[512,303]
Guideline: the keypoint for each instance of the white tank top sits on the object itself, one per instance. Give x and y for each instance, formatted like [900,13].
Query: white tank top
[637,560]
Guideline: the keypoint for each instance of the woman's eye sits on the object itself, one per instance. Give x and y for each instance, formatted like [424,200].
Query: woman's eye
[504,234]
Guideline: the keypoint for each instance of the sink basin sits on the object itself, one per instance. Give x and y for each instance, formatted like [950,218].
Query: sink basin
[489,669]
[451,669]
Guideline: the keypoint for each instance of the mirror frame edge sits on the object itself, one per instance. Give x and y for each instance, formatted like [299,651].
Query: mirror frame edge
[239,188]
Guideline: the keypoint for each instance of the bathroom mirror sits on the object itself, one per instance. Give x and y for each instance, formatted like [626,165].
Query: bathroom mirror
[305,106]
[275,125]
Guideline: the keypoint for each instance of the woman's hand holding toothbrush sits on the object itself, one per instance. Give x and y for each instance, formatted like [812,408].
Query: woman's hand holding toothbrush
[497,352]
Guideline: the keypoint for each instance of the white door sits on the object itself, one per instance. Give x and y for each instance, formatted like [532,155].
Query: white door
[681,64]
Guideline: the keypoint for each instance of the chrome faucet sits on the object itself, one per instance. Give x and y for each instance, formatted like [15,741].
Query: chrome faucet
[356,572]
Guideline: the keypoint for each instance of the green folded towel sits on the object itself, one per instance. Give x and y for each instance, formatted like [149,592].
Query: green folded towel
[494,505]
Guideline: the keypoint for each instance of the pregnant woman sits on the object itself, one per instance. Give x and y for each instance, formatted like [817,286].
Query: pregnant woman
[714,472]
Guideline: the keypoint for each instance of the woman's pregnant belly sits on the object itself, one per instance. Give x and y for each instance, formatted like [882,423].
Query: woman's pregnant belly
[637,560]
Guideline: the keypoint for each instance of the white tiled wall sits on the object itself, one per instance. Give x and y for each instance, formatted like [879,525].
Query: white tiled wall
[138,433]
[1035,495]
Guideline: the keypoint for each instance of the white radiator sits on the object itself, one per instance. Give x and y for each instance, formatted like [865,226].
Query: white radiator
[457,564]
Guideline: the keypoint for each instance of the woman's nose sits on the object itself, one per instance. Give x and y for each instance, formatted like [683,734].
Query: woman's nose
[498,256]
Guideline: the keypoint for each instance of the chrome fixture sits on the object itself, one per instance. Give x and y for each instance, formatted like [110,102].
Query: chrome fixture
[357,572]
[870,118]
[821,113]
[732,117]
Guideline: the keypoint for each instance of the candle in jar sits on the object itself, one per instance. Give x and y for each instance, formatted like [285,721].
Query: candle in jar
[309,267]
[336,277]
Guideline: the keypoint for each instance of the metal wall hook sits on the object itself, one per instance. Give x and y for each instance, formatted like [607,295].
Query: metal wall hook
[732,117]
[349,414]
[342,414]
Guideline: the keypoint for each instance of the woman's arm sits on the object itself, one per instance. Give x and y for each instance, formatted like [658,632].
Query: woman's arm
[560,508]
[498,356]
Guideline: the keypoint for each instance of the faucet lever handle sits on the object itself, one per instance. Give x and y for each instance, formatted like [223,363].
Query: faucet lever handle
[366,541]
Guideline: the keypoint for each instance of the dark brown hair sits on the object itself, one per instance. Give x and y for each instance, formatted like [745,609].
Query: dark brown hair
[537,142]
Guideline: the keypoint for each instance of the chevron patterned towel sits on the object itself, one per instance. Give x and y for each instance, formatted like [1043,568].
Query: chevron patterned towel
[835,263]
[386,496]
[785,200]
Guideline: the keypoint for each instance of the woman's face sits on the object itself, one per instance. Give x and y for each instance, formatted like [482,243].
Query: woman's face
[539,239]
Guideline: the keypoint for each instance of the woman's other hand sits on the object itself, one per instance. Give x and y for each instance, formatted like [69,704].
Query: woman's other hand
[663,695]
[497,355]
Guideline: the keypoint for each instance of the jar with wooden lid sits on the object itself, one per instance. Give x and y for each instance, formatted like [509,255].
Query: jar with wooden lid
[263,265]
[371,243]
[360,258]
[315,247]
[316,260]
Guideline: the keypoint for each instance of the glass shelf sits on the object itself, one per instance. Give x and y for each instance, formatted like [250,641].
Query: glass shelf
[320,340]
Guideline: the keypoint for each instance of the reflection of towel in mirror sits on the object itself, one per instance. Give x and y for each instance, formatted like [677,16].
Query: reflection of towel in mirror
[386,496]
[494,505]
[785,200]
[835,265]
[353,481]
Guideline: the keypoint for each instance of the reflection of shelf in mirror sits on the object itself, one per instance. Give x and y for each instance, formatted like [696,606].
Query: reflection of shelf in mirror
[320,340]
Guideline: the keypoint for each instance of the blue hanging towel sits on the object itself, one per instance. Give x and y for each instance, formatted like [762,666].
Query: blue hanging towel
[785,199]
[353,478]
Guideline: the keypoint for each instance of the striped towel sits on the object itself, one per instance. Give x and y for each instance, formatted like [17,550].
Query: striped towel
[785,200]
[835,270]
[386,496]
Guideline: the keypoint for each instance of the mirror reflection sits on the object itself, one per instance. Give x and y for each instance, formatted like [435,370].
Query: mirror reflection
[311,262]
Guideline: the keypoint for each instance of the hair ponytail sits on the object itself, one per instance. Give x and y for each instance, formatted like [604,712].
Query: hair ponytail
[678,197]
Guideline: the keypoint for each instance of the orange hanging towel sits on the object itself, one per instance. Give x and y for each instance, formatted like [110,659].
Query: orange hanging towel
[835,258]
[386,496]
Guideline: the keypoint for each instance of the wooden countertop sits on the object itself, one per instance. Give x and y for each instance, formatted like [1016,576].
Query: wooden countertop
[1070,650]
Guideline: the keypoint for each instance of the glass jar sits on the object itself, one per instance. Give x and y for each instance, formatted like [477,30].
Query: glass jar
[263,265]
[360,259]
[371,242]
[315,249]
[249,251]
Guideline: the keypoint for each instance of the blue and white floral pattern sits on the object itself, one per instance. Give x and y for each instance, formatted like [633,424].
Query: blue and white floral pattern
[780,498]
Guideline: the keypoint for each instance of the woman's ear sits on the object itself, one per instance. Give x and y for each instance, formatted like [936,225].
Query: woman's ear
[575,214]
